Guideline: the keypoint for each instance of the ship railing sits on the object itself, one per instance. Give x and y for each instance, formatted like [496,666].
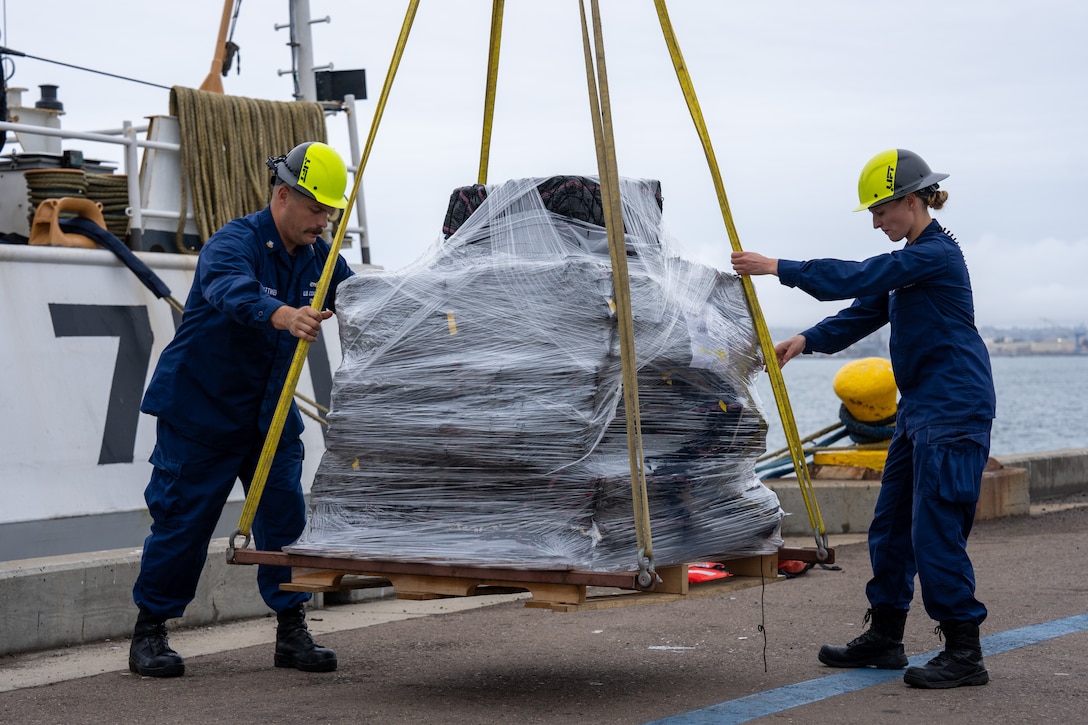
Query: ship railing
[128,136]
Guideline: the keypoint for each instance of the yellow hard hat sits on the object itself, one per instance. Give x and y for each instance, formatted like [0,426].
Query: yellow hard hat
[314,169]
[893,174]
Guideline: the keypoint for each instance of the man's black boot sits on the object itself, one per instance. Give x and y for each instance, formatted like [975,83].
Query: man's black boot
[959,664]
[295,647]
[150,654]
[880,646]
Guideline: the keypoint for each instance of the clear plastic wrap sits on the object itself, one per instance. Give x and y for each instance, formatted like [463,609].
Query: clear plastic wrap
[477,417]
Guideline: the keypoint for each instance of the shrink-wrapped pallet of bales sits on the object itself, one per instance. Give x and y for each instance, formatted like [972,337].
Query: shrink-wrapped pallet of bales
[478,417]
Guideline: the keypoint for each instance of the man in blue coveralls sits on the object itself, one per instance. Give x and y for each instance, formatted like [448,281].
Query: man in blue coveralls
[933,474]
[214,392]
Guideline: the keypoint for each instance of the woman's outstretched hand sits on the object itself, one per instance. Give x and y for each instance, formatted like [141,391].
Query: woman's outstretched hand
[789,349]
[752,263]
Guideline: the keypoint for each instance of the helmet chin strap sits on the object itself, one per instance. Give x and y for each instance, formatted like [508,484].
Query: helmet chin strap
[273,164]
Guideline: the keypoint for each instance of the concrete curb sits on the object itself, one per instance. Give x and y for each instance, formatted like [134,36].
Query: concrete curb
[63,601]
[847,506]
[59,601]
[1052,473]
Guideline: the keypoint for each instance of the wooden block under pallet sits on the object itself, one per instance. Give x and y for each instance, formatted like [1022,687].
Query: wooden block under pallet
[433,587]
[624,598]
[760,567]
[752,571]
[307,579]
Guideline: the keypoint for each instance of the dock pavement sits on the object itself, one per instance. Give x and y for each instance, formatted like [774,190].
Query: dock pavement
[743,656]
[749,656]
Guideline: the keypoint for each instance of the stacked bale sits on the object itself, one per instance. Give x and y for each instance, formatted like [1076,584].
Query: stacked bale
[478,414]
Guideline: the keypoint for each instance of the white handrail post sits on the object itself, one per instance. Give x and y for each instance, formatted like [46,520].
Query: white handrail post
[360,202]
[132,170]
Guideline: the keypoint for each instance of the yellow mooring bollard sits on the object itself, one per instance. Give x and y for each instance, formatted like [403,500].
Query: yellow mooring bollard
[867,389]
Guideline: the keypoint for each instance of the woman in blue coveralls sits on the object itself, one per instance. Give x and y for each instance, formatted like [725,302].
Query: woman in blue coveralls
[214,392]
[931,481]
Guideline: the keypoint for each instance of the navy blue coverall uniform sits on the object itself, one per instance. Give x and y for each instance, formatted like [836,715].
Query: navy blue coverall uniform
[214,391]
[931,481]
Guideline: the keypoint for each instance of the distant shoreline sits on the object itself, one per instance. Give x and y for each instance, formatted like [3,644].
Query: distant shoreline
[851,353]
[1017,342]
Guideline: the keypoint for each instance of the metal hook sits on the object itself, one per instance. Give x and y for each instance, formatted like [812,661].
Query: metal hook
[646,577]
[230,544]
[821,546]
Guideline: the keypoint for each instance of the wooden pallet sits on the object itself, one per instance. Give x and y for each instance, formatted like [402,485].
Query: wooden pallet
[558,590]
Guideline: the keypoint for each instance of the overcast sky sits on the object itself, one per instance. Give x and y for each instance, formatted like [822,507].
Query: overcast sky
[797,95]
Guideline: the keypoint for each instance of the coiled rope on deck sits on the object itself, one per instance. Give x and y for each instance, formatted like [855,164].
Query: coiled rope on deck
[224,143]
[867,432]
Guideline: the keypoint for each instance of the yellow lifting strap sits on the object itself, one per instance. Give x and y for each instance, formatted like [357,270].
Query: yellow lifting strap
[609,176]
[778,384]
[264,463]
[489,93]
[617,248]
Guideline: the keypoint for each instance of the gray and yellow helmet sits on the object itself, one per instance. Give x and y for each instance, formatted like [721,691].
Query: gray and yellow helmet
[314,169]
[893,174]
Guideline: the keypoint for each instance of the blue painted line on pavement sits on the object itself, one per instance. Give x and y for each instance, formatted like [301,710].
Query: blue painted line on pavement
[746,709]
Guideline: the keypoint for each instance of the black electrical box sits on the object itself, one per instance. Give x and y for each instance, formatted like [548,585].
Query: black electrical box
[333,85]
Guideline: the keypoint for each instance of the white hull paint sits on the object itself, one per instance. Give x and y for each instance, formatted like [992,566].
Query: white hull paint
[81,338]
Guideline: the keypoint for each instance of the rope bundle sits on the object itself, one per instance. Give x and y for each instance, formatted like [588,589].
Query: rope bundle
[861,432]
[224,143]
[42,184]
[110,190]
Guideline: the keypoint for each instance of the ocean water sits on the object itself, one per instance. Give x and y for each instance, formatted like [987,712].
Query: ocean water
[1042,401]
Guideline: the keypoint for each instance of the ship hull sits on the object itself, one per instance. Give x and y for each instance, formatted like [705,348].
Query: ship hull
[81,338]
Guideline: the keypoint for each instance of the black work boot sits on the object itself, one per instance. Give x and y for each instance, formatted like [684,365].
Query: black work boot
[959,664]
[150,654]
[880,646]
[295,647]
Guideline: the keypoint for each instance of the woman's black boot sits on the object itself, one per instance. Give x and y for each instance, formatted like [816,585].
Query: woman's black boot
[880,646]
[959,664]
